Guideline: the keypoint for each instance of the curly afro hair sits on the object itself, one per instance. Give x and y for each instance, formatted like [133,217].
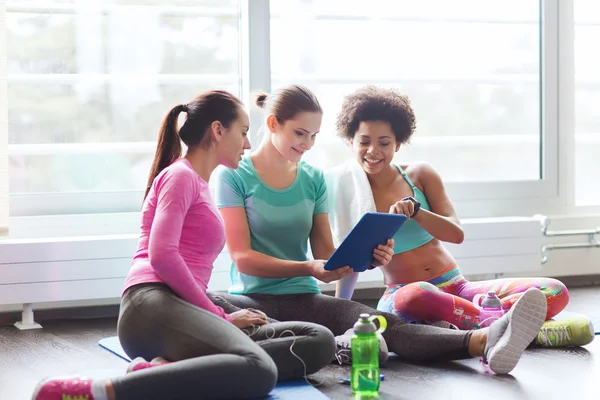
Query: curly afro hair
[373,103]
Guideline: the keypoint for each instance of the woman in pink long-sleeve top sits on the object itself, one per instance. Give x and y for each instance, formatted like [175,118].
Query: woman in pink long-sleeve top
[197,350]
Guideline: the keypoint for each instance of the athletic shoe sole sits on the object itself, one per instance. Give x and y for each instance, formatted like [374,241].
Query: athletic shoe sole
[592,334]
[528,315]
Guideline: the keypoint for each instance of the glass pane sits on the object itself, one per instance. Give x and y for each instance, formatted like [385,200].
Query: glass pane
[472,72]
[78,172]
[48,3]
[586,12]
[107,72]
[511,10]
[162,3]
[587,98]
[176,3]
[96,43]
[94,113]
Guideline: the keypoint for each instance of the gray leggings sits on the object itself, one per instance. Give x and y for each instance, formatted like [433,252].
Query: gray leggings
[213,358]
[410,341]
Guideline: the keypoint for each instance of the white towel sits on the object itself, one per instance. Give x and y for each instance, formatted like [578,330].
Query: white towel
[349,197]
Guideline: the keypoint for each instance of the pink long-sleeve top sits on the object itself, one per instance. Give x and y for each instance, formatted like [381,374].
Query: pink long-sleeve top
[182,235]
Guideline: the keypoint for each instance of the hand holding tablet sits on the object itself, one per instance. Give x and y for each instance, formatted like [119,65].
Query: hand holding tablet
[371,230]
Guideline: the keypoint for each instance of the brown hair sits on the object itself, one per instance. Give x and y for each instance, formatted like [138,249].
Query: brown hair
[203,110]
[288,101]
[372,103]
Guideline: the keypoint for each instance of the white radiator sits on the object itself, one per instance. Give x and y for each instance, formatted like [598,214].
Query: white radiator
[94,267]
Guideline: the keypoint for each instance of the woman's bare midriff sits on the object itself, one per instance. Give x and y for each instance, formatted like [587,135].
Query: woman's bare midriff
[420,264]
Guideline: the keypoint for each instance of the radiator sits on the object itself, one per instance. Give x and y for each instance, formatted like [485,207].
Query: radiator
[34,270]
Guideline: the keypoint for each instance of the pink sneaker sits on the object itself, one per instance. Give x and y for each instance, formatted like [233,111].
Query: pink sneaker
[140,363]
[72,388]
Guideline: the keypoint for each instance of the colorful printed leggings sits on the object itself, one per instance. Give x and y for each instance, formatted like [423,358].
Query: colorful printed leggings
[449,297]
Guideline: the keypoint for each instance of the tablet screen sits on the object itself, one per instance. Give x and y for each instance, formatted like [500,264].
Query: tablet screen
[357,248]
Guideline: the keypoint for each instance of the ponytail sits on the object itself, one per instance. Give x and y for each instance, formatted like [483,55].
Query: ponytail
[260,99]
[209,106]
[168,148]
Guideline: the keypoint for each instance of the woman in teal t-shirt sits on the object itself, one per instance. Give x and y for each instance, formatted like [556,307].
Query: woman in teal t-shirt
[274,203]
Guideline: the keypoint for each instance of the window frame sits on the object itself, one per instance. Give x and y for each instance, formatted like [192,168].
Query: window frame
[552,194]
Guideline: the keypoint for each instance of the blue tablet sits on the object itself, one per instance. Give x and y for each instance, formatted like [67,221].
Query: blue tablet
[356,250]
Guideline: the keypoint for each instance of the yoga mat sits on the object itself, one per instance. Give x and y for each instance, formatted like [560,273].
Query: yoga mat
[291,390]
[113,345]
[595,319]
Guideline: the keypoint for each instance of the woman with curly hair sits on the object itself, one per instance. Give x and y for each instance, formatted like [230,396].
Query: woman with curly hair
[424,282]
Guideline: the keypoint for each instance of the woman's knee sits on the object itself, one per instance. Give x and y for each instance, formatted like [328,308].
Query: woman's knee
[262,375]
[308,348]
[413,296]
[319,346]
[557,296]
[325,347]
[560,289]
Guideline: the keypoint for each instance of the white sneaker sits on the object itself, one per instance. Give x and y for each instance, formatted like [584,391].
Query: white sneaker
[509,336]
[343,354]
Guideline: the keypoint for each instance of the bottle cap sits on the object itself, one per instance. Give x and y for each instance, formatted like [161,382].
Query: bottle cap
[491,301]
[364,326]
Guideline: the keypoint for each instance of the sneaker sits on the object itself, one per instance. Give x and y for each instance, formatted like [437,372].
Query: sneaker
[69,388]
[574,331]
[140,363]
[343,354]
[509,336]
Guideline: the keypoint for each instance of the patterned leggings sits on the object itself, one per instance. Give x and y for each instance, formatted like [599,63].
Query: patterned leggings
[449,297]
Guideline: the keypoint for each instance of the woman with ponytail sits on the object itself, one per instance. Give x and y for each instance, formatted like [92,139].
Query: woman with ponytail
[196,349]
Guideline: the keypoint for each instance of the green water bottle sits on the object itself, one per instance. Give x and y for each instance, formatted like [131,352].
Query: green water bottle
[364,345]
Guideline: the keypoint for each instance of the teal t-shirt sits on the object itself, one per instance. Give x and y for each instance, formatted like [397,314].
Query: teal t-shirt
[280,221]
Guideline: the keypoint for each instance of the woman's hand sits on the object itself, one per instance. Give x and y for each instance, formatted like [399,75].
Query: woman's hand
[244,318]
[383,254]
[405,207]
[317,269]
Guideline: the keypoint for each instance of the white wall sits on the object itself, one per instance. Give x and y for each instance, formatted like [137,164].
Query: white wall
[560,262]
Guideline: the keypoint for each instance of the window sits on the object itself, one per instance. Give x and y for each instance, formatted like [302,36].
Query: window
[89,83]
[471,68]
[587,99]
